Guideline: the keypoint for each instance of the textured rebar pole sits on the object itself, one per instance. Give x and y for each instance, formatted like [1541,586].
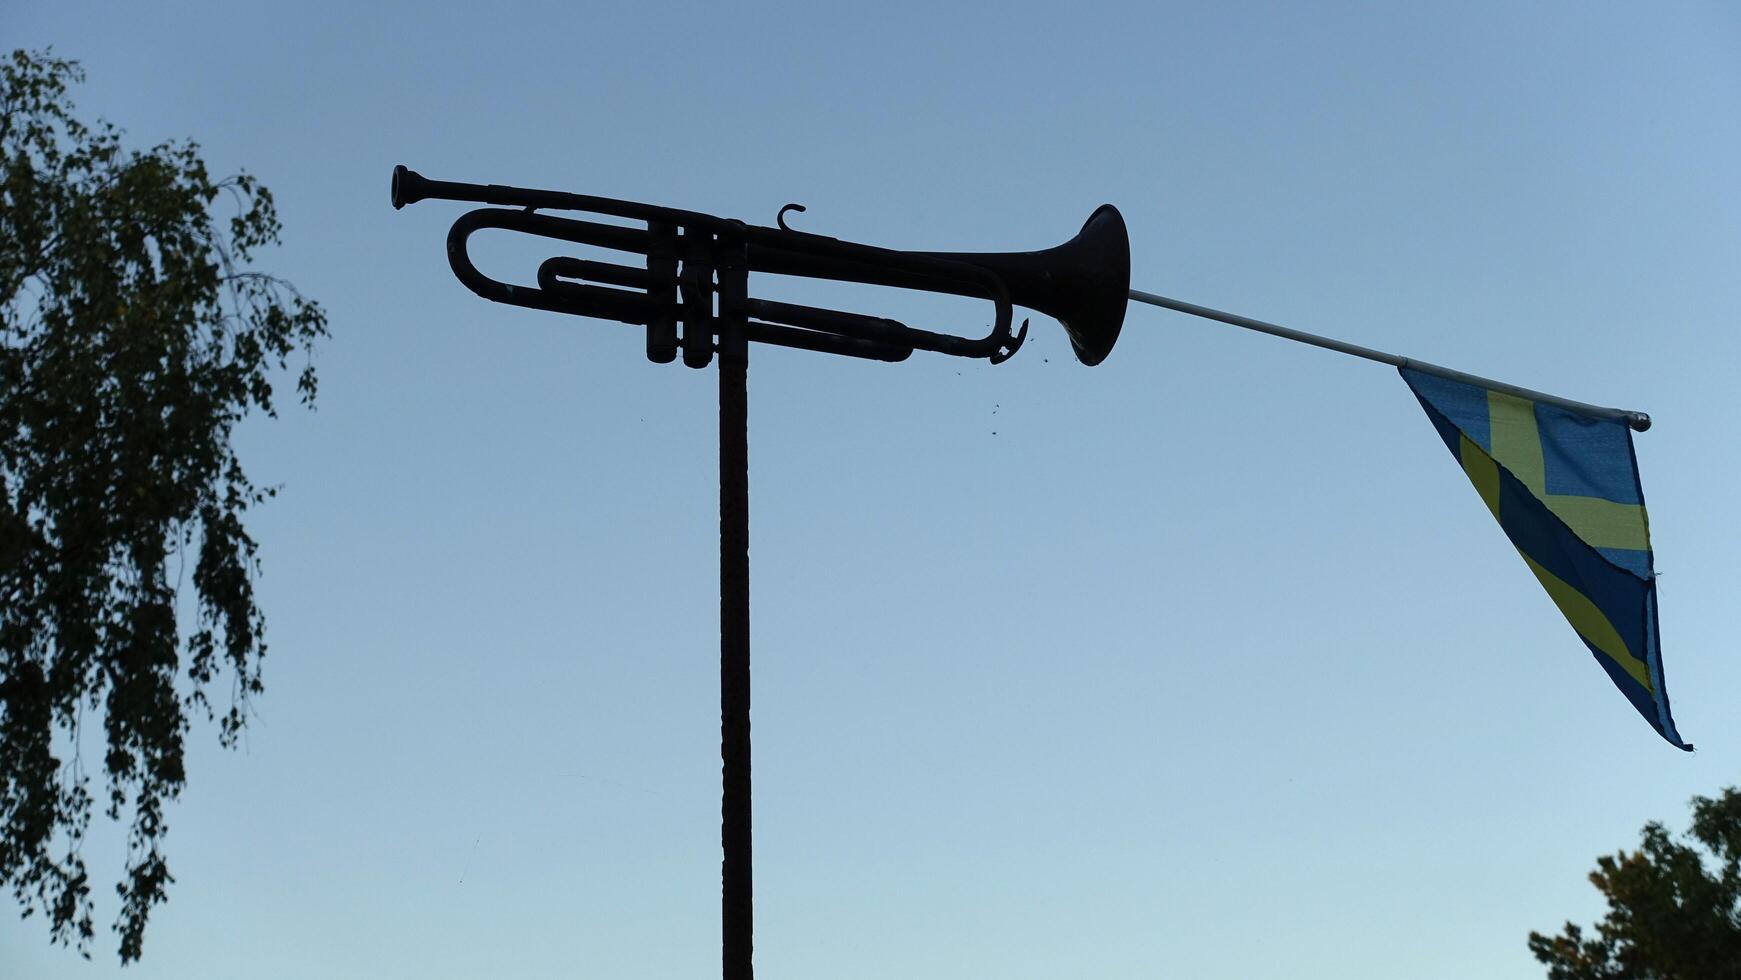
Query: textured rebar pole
[737,919]
[1636,420]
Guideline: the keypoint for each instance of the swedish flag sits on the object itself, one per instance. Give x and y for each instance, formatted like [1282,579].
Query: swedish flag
[1564,487]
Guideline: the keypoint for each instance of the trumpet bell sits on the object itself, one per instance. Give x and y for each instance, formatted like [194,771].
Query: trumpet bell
[1094,302]
[1088,286]
[1084,283]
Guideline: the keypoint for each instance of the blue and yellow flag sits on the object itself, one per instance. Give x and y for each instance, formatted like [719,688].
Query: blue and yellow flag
[1564,487]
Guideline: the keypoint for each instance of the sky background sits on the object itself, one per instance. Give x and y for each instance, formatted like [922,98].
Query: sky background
[1203,663]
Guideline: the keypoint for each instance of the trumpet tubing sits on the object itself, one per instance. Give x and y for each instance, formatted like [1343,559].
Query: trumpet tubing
[692,261]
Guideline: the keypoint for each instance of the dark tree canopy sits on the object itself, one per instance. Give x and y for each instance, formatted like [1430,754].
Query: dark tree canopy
[1674,909]
[133,338]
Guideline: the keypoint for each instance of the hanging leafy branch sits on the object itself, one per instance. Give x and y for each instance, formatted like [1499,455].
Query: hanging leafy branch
[134,336]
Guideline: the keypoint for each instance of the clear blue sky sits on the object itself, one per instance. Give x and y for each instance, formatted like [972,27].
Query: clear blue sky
[1204,663]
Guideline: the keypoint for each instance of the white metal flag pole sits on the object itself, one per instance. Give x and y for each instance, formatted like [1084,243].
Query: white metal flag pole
[1638,421]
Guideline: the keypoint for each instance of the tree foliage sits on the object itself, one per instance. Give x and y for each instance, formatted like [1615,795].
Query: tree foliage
[1674,908]
[134,336]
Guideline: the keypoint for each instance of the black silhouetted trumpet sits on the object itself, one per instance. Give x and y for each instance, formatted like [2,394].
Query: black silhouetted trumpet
[696,266]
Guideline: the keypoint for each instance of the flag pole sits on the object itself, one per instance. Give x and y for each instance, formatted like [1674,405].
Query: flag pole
[1638,421]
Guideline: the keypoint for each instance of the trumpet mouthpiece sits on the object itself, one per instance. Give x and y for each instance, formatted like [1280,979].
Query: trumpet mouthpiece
[404,186]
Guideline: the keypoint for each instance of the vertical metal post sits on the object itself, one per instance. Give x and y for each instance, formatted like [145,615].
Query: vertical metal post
[736,911]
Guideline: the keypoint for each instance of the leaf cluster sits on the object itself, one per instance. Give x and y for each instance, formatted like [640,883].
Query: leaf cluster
[1674,907]
[134,336]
